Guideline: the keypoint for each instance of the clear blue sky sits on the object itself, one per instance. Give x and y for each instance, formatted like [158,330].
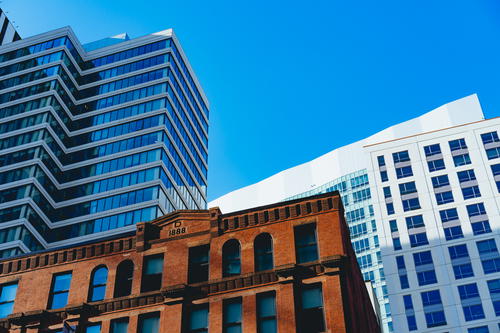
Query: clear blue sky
[289,81]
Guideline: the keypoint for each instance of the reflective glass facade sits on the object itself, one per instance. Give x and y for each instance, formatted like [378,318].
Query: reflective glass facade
[93,142]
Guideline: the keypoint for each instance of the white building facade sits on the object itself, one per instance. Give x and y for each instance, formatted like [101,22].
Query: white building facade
[350,170]
[436,199]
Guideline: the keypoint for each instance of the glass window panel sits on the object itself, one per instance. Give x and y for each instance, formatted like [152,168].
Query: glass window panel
[119,325]
[149,323]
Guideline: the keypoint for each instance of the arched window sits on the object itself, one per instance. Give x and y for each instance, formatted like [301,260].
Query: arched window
[231,261]
[263,252]
[124,275]
[98,281]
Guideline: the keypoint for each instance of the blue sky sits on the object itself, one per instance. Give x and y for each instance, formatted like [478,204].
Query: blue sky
[289,81]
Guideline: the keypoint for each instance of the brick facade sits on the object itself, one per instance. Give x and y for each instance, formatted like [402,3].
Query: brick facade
[346,304]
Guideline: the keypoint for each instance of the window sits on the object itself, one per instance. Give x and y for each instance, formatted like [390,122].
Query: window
[59,291]
[471,192]
[92,328]
[432,150]
[460,160]
[404,172]
[306,247]
[433,316]
[418,239]
[473,309]
[490,137]
[493,153]
[495,169]
[312,317]
[361,195]
[198,263]
[266,313]
[400,262]
[452,233]
[440,181]
[407,188]
[476,209]
[412,322]
[436,165]
[390,208]
[383,176]
[231,316]
[149,323]
[152,273]
[124,276]
[198,319]
[494,288]
[381,160]
[414,221]
[444,197]
[487,246]
[401,156]
[457,144]
[467,291]
[488,253]
[422,258]
[403,280]
[394,225]
[463,271]
[466,175]
[481,329]
[396,242]
[387,192]
[482,227]
[428,276]
[263,252]
[231,260]
[119,325]
[411,204]
[7,296]
[98,278]
[448,215]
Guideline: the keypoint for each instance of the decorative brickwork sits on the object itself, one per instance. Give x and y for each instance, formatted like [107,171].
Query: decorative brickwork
[345,304]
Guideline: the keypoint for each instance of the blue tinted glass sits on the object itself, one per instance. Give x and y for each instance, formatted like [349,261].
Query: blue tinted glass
[150,324]
[62,282]
[59,300]
[312,298]
[6,309]
[232,312]
[8,292]
[199,318]
[154,265]
[119,326]
[93,328]
[266,305]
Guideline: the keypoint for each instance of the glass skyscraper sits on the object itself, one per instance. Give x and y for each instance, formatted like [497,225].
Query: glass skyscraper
[96,137]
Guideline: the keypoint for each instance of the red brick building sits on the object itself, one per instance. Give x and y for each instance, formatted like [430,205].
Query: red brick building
[287,267]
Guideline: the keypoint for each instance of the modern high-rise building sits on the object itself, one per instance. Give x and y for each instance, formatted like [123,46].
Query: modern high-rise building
[437,206]
[347,169]
[8,32]
[96,137]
